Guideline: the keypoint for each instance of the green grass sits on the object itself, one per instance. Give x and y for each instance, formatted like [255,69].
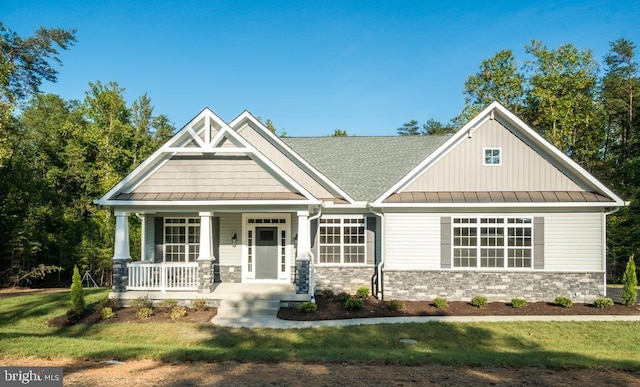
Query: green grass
[23,332]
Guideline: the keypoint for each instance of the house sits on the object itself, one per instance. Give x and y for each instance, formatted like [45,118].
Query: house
[493,210]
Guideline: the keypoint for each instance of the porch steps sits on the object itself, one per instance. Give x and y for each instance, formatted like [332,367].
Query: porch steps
[248,307]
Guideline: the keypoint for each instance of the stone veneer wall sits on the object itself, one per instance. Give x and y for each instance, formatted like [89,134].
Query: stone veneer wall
[343,278]
[496,286]
[234,276]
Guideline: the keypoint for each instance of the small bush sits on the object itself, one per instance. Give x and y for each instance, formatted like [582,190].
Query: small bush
[630,284]
[362,292]
[518,302]
[112,303]
[77,296]
[479,301]
[144,313]
[354,304]
[200,304]
[107,313]
[343,297]
[73,316]
[167,305]
[141,302]
[178,312]
[396,305]
[307,307]
[327,294]
[603,302]
[564,301]
[440,303]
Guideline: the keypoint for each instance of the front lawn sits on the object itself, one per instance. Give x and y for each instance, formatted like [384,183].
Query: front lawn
[24,332]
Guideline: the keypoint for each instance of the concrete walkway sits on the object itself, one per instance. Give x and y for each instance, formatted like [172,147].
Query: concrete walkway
[275,323]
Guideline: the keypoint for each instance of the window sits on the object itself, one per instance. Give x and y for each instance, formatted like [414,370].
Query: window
[492,156]
[486,242]
[342,240]
[181,239]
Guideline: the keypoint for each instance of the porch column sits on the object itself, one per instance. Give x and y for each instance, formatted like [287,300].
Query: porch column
[302,259]
[206,258]
[121,252]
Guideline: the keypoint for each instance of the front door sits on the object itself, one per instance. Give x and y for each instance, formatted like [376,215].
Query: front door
[266,253]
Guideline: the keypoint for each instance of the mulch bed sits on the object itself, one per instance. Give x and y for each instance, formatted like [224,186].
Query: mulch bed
[129,315]
[331,309]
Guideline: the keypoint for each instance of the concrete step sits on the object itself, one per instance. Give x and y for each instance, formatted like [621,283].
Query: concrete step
[248,307]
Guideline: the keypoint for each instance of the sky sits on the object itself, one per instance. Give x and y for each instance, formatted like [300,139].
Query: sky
[310,66]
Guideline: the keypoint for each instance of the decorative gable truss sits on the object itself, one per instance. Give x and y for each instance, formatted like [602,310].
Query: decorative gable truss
[228,157]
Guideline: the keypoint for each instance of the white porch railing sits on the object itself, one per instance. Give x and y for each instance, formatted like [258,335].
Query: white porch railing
[162,276]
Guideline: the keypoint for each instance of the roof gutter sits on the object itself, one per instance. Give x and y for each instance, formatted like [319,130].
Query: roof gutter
[312,268]
[604,245]
[380,291]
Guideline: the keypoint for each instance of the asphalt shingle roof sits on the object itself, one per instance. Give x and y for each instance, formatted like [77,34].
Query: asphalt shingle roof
[365,167]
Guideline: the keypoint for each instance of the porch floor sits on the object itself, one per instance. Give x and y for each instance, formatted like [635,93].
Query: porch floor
[223,291]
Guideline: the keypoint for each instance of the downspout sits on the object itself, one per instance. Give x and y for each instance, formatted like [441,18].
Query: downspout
[604,246]
[379,267]
[312,267]
[143,256]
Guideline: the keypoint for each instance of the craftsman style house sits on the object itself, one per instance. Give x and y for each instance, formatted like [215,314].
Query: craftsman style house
[493,210]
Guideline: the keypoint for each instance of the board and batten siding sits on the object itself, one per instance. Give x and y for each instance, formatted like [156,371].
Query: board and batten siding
[230,223]
[211,175]
[412,241]
[573,242]
[521,169]
[282,161]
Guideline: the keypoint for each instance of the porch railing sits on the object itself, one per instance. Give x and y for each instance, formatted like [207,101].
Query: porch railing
[162,276]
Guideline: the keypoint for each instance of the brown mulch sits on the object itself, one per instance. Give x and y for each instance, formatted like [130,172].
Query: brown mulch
[129,315]
[331,309]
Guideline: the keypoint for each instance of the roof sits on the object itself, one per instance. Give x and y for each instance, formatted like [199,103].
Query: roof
[365,167]
[498,197]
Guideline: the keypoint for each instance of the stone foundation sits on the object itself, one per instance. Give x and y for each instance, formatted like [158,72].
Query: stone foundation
[230,273]
[302,276]
[343,278]
[496,286]
[120,275]
[205,276]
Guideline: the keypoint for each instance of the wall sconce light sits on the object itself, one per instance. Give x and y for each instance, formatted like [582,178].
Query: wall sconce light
[234,240]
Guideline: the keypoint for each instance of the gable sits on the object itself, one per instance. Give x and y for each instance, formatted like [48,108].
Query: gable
[521,169]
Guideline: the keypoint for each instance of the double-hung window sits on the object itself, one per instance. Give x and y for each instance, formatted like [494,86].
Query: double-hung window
[181,239]
[492,242]
[342,241]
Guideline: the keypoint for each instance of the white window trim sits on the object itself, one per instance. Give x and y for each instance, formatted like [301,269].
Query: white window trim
[506,247]
[186,244]
[342,244]
[283,276]
[484,156]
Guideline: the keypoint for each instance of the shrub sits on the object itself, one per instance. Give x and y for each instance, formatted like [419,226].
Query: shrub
[518,302]
[564,301]
[479,301]
[396,305]
[200,304]
[144,313]
[73,316]
[307,307]
[440,303]
[77,296]
[327,294]
[141,302]
[107,312]
[343,297]
[354,304]
[112,303]
[167,305]
[603,302]
[362,292]
[178,312]
[629,284]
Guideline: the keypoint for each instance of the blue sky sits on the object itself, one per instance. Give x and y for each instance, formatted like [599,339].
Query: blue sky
[310,66]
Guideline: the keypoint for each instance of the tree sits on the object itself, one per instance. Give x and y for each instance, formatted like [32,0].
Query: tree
[561,100]
[497,80]
[436,128]
[339,133]
[629,284]
[410,128]
[77,295]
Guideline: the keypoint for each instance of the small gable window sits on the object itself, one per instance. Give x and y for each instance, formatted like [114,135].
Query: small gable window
[492,156]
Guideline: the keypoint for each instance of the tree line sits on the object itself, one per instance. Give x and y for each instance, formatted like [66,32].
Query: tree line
[57,156]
